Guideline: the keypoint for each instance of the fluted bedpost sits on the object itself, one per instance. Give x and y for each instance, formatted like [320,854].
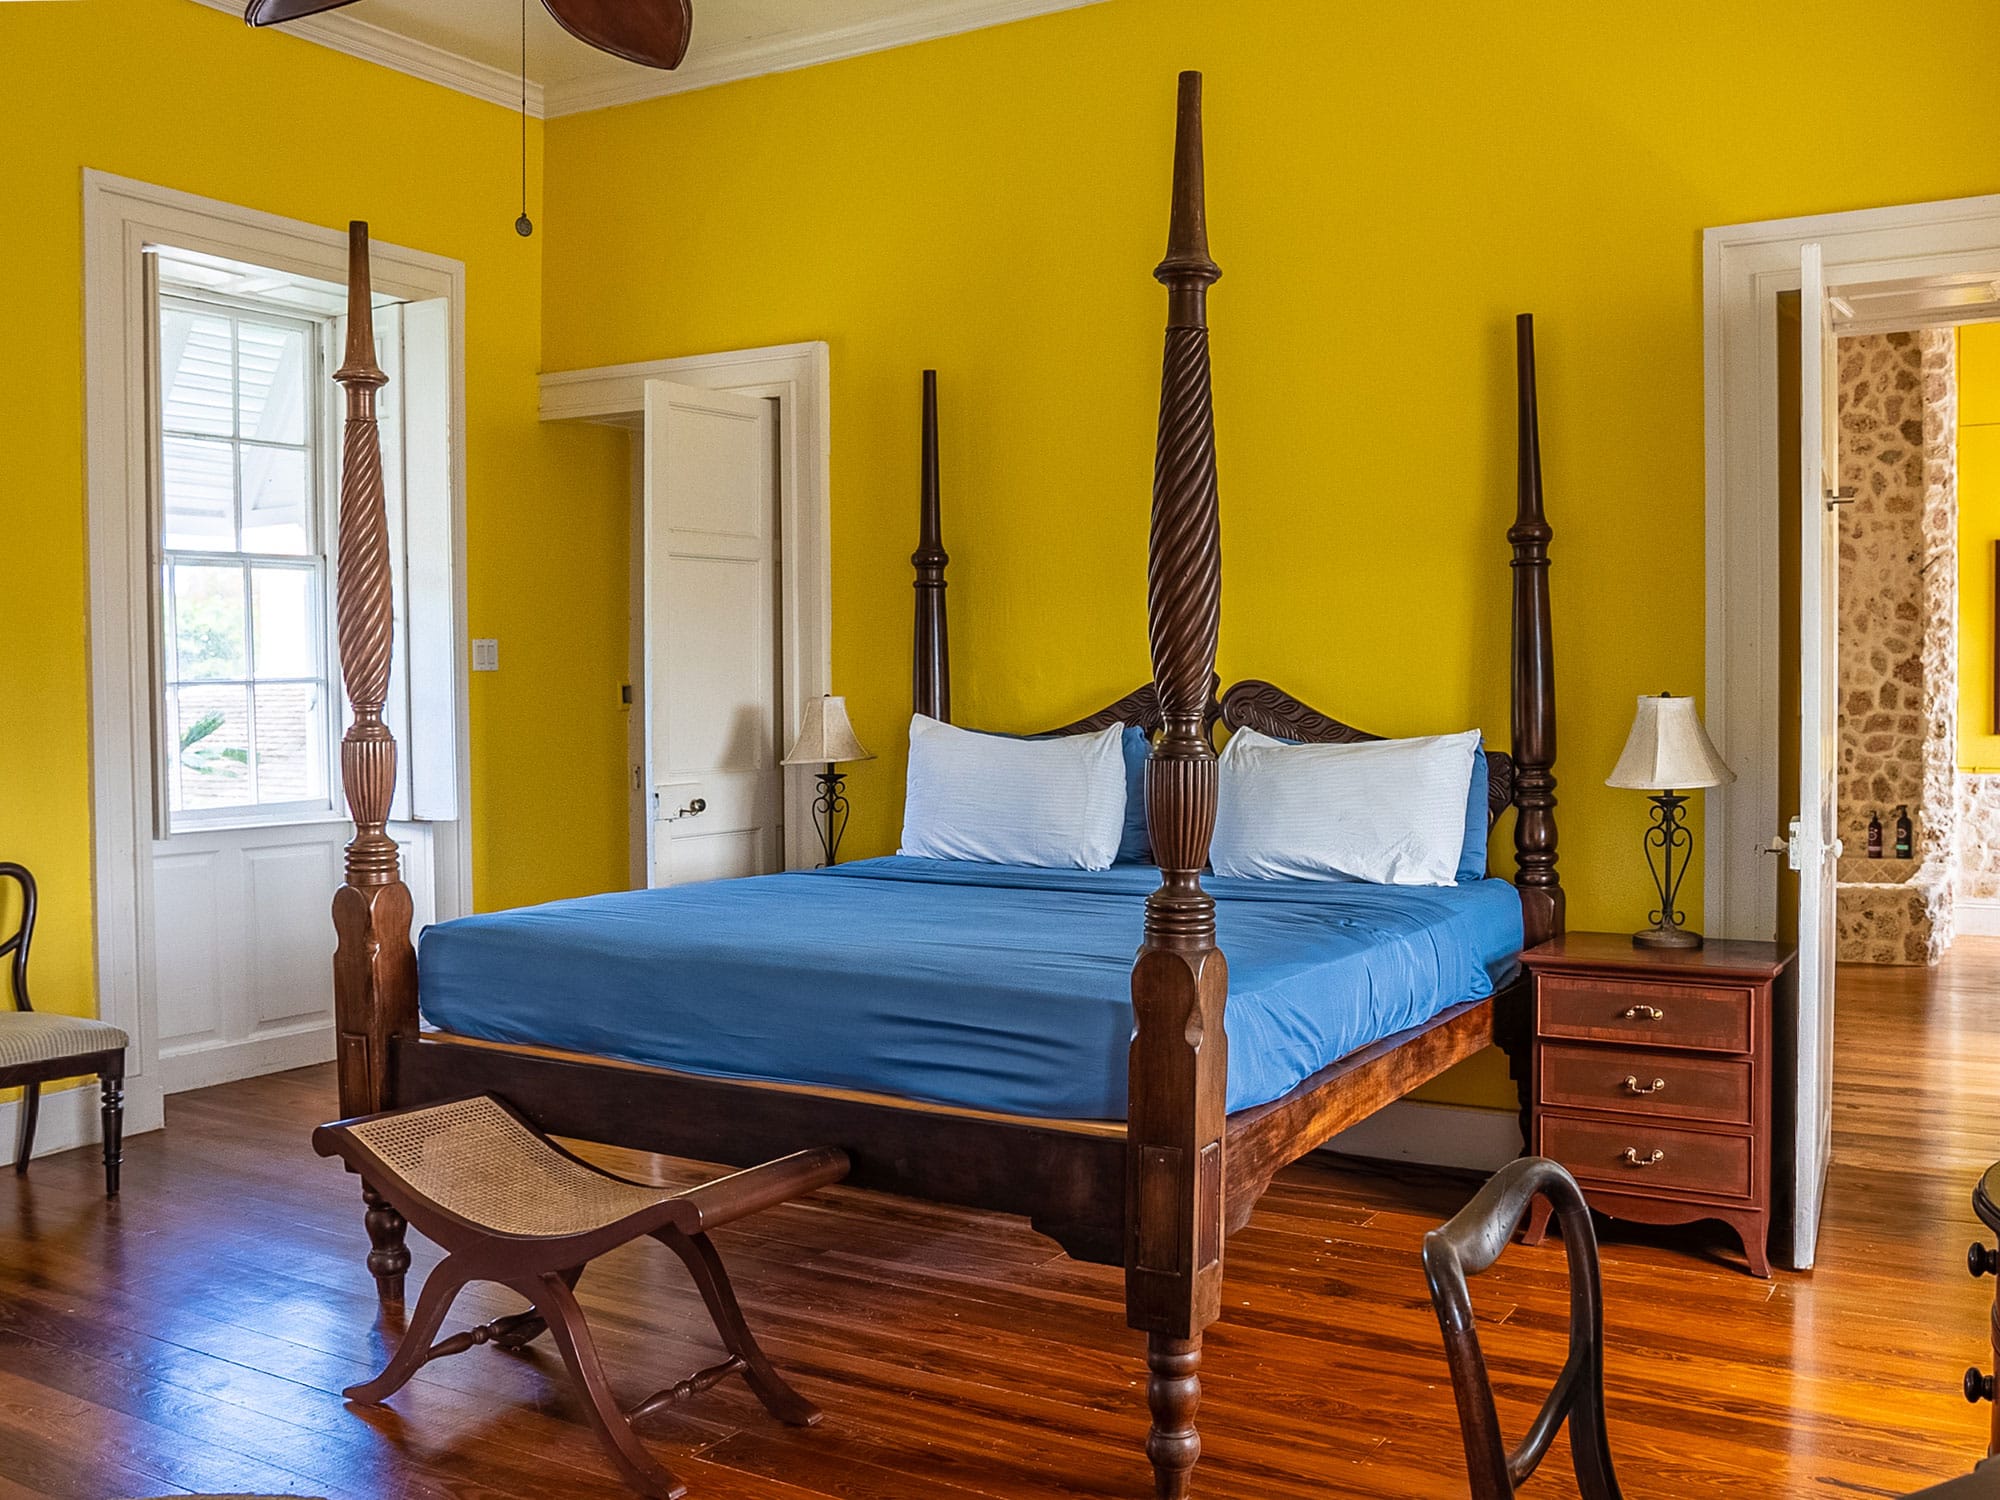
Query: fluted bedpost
[1180,1054]
[1534,670]
[931,660]
[374,967]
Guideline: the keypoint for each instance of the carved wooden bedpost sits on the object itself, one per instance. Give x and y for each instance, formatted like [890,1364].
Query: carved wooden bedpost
[1180,1054]
[374,967]
[931,660]
[1534,671]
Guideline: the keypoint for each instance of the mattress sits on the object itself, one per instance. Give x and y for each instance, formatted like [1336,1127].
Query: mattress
[991,987]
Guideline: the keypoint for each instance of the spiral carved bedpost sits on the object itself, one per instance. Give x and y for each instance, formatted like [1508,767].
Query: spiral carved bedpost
[1534,672]
[374,967]
[930,681]
[1180,1054]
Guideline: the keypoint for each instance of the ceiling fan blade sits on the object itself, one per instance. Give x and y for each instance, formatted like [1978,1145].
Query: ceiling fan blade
[652,32]
[277,12]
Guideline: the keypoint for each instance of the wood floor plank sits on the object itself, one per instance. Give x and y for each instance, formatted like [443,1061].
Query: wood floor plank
[196,1335]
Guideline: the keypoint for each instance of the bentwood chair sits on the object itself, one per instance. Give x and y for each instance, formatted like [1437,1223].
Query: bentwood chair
[37,1048]
[1468,1245]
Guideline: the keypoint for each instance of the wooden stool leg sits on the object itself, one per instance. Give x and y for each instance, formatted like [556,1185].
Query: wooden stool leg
[440,1291]
[522,1329]
[557,1304]
[705,1266]
[31,1109]
[389,1255]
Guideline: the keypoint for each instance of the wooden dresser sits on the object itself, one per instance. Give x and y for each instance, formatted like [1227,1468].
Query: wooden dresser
[1653,1079]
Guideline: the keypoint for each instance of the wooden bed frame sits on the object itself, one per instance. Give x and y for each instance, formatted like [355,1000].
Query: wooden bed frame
[1157,1194]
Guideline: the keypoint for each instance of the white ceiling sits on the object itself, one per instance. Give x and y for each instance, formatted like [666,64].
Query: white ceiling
[475,45]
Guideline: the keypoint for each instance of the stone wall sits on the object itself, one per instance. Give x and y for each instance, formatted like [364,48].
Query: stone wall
[1898,639]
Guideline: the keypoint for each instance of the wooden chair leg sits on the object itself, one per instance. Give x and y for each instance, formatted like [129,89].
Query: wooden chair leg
[705,1266]
[111,1086]
[440,1291]
[557,1304]
[388,1255]
[31,1109]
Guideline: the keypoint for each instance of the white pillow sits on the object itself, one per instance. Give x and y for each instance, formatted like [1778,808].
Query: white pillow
[1387,811]
[1051,802]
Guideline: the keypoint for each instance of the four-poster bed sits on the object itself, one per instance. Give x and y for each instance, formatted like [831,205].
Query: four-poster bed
[1156,1192]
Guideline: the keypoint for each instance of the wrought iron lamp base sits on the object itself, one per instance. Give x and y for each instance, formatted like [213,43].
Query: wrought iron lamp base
[830,813]
[1667,838]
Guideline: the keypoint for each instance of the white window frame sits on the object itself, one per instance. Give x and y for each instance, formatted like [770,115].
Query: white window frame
[122,218]
[321,429]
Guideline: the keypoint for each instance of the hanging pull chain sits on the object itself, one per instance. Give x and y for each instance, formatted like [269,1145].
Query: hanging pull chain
[524,226]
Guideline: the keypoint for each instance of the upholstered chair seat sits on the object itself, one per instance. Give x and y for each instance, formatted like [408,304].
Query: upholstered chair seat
[35,1037]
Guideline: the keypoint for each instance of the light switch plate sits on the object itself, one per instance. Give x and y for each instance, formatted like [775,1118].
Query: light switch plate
[486,655]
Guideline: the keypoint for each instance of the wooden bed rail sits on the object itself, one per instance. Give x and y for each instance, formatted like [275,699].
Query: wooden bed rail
[1179,1064]
[374,966]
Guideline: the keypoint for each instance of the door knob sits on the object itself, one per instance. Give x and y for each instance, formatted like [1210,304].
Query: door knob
[1982,1261]
[694,809]
[1978,1387]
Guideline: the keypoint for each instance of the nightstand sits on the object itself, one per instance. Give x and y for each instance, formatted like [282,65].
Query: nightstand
[1653,1079]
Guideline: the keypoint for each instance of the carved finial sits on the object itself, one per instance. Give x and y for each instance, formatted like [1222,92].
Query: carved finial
[359,368]
[1188,271]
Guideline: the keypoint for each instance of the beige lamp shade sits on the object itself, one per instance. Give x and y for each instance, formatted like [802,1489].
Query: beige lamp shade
[825,737]
[1668,750]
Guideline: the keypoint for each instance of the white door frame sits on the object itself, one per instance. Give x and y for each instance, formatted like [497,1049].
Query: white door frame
[798,378]
[1744,269]
[121,217]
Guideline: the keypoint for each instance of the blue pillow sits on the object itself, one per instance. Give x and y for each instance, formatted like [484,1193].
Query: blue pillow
[1472,857]
[1135,845]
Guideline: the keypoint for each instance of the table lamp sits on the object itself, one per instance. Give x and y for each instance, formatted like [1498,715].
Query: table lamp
[1668,749]
[827,739]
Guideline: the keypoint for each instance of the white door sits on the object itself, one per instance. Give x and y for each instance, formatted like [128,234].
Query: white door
[1815,845]
[712,675]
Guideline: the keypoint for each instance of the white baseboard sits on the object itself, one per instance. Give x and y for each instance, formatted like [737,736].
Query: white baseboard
[69,1119]
[1435,1135]
[1976,917]
[203,1066]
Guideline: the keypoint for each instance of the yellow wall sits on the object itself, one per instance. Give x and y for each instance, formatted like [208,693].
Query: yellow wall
[177,94]
[1387,185]
[1978,531]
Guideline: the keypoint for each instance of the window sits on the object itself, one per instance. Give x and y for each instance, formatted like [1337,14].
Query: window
[248,718]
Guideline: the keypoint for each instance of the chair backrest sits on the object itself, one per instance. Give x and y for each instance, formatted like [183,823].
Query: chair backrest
[24,933]
[1470,1244]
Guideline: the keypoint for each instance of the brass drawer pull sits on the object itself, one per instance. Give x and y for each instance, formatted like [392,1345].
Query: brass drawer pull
[1633,1085]
[1634,1159]
[1643,1013]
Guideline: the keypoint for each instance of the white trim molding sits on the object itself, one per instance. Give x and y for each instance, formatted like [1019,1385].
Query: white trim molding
[1976,916]
[798,377]
[122,219]
[348,33]
[724,62]
[1434,1135]
[1745,268]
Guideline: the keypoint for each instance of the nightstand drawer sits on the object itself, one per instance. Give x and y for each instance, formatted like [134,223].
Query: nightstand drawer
[1706,1018]
[1641,1082]
[1640,1156]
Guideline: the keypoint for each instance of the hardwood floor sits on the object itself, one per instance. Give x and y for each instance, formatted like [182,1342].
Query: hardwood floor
[195,1336]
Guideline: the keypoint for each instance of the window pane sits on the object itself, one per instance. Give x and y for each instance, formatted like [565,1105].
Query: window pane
[271,387]
[286,631]
[211,729]
[194,372]
[274,500]
[198,486]
[208,622]
[291,742]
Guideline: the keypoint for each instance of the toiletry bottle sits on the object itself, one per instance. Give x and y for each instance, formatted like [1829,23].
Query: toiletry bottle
[1874,835]
[1903,840]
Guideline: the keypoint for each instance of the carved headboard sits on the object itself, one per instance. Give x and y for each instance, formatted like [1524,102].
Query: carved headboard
[1269,709]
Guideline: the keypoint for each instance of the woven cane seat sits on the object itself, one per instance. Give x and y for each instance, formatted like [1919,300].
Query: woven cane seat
[34,1036]
[476,1160]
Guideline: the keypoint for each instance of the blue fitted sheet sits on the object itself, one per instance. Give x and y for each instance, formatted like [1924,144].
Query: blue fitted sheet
[990,986]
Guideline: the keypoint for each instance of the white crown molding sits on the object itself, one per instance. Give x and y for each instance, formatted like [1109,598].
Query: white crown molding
[921,22]
[389,49]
